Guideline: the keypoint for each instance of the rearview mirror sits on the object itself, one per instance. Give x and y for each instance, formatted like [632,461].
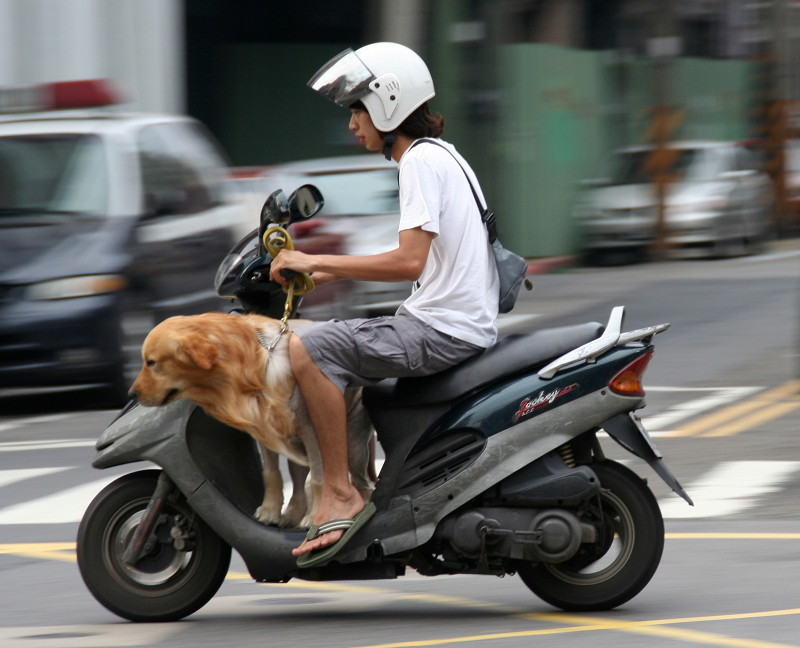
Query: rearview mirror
[274,212]
[305,202]
[275,209]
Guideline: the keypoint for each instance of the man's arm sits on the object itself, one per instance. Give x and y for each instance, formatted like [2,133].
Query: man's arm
[404,263]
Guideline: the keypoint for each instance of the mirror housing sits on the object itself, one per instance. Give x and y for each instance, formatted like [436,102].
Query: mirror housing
[276,209]
[305,202]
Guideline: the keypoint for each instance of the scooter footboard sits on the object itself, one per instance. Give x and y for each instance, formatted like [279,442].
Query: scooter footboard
[627,430]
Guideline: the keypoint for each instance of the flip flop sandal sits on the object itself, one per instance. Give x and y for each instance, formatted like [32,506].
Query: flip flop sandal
[349,526]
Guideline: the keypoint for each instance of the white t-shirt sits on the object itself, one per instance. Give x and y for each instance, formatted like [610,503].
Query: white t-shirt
[457,293]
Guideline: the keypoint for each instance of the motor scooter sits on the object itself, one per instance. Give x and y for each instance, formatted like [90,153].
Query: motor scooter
[493,467]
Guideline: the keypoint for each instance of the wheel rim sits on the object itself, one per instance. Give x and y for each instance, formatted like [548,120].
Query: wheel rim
[161,566]
[615,557]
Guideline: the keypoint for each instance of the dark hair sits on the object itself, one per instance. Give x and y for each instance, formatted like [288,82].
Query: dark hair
[420,123]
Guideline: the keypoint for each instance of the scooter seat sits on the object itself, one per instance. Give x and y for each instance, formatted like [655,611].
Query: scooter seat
[510,355]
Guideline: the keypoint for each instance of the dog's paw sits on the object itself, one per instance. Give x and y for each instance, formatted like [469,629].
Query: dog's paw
[306,521]
[292,521]
[293,515]
[268,515]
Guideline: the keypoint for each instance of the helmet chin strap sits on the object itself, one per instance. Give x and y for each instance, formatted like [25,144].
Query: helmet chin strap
[388,144]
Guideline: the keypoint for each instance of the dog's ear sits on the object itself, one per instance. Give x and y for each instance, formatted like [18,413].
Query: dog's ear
[199,350]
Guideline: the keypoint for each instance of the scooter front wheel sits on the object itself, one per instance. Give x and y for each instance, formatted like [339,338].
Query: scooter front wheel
[626,554]
[166,583]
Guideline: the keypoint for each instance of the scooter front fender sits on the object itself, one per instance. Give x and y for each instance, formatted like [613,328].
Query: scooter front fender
[215,467]
[142,433]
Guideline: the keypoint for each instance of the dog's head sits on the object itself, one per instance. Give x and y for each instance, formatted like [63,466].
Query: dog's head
[178,355]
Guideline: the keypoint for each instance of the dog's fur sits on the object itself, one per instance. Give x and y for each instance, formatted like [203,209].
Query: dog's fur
[217,361]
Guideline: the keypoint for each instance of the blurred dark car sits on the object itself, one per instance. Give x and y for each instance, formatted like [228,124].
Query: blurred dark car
[109,222]
[719,203]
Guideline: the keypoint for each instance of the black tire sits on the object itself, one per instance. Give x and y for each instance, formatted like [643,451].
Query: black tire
[164,585]
[617,567]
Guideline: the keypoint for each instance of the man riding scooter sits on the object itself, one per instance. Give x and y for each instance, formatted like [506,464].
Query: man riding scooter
[442,248]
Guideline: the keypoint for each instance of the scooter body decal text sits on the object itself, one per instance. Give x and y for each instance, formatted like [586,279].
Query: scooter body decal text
[542,400]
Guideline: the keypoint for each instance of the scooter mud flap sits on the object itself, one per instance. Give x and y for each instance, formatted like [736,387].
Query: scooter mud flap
[627,430]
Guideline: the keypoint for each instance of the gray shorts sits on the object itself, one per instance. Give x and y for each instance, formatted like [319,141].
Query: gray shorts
[364,351]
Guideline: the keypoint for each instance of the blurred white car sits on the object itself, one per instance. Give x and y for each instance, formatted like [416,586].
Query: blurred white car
[718,203]
[362,207]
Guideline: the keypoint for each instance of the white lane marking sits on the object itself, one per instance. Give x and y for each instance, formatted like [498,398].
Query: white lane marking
[64,507]
[729,488]
[719,396]
[16,423]
[21,474]
[21,446]
[89,636]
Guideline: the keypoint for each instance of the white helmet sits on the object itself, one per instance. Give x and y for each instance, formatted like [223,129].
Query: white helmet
[391,80]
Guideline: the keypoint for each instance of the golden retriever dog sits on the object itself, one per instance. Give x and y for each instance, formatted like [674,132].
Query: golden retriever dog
[221,362]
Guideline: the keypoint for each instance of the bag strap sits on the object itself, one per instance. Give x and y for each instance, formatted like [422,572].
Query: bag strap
[487,217]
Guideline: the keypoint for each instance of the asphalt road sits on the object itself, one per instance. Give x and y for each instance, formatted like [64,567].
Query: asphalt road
[723,407]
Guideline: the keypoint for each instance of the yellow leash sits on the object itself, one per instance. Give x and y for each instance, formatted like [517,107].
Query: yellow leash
[277,239]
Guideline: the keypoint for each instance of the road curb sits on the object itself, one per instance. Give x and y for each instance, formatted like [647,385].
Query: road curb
[550,264]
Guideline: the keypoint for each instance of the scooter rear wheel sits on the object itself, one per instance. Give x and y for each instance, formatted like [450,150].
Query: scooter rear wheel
[166,583]
[617,567]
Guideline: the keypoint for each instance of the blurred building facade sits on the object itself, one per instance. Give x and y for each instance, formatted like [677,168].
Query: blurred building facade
[138,43]
[537,93]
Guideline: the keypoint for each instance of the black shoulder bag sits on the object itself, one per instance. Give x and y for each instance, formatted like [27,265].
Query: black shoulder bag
[511,268]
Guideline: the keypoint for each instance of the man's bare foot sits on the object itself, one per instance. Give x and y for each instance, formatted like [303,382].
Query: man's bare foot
[331,509]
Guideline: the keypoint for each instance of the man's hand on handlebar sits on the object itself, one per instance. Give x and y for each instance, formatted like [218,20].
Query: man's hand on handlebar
[286,263]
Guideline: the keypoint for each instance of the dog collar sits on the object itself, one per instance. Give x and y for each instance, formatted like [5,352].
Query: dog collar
[269,345]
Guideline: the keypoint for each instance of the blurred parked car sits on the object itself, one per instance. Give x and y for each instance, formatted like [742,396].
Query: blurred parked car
[718,203]
[362,209]
[109,222]
[792,161]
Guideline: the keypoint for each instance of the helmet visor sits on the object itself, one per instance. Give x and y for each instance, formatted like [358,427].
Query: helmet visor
[344,79]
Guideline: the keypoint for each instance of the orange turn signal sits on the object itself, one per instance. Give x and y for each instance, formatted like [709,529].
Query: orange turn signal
[628,382]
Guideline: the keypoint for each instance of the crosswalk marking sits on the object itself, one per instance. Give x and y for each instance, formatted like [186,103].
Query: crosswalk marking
[22,446]
[32,420]
[64,507]
[662,422]
[730,488]
[748,413]
[8,477]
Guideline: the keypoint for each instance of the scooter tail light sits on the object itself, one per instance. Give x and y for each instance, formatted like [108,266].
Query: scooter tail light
[628,382]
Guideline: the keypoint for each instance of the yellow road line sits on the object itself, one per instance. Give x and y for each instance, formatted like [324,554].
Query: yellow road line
[755,419]
[654,627]
[590,624]
[732,420]
[64,551]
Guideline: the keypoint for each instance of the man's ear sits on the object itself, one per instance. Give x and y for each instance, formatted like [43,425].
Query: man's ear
[199,350]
